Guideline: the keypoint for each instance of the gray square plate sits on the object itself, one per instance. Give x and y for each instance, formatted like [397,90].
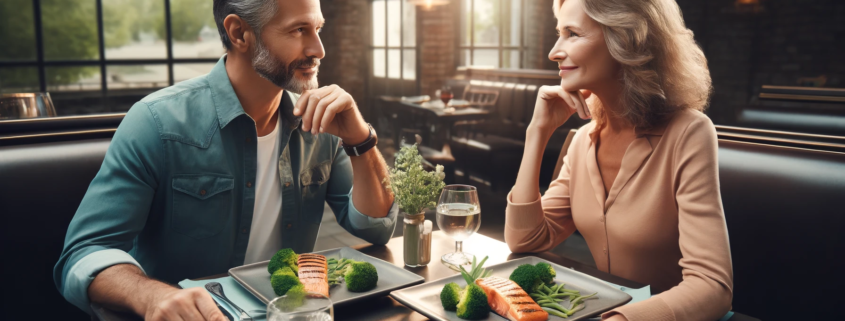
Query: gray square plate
[256,280]
[425,298]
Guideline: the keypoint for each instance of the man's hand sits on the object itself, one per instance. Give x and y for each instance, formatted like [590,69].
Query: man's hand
[332,110]
[187,304]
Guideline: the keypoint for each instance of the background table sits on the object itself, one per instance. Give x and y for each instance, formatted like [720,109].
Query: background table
[386,308]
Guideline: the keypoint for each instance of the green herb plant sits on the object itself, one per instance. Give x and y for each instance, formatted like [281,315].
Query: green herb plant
[414,188]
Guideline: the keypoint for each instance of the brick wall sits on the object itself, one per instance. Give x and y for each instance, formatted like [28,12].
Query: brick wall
[783,42]
[346,41]
[437,31]
[539,34]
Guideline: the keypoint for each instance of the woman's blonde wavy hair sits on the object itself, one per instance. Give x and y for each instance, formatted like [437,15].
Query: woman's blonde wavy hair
[663,70]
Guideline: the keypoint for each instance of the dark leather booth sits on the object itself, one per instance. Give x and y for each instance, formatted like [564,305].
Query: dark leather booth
[783,206]
[45,169]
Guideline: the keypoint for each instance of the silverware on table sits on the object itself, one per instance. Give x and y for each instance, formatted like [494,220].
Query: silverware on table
[217,289]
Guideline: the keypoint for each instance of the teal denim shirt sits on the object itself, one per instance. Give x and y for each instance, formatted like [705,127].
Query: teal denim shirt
[175,193]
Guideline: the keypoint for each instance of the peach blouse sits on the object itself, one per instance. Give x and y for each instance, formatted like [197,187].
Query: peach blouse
[661,224]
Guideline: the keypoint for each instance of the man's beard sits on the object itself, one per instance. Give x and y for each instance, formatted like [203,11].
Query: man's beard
[280,75]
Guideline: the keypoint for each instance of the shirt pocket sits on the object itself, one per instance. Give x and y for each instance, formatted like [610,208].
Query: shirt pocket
[201,204]
[313,181]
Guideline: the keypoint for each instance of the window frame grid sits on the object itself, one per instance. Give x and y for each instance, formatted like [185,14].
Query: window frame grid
[501,47]
[402,47]
[101,62]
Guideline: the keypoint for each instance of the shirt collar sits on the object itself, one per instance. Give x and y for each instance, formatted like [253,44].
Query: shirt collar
[229,107]
[654,131]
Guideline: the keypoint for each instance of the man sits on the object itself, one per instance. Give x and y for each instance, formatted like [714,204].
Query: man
[225,169]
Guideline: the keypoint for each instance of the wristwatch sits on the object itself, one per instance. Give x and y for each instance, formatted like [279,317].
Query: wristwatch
[360,149]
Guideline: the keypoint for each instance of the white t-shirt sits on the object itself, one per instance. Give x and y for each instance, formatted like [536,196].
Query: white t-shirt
[265,236]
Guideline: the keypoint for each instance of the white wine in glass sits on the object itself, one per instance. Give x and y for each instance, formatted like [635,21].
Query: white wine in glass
[459,216]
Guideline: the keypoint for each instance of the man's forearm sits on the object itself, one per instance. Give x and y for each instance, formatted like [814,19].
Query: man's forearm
[124,287]
[370,196]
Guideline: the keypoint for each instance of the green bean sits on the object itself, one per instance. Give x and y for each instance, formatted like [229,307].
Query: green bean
[575,309]
[556,313]
[563,295]
[545,301]
[555,306]
[581,298]
[571,291]
[556,288]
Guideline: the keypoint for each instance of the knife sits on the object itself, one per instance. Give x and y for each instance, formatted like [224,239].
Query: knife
[225,313]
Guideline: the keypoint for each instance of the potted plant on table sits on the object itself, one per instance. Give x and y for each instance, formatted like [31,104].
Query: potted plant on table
[415,190]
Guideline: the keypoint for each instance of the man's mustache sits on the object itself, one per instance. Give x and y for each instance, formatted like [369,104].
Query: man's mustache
[305,63]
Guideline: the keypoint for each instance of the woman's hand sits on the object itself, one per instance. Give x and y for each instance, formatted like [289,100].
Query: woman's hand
[555,105]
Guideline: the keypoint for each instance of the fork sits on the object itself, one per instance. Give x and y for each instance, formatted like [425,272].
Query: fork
[217,289]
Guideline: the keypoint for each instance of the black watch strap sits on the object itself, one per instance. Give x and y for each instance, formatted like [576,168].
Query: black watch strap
[360,149]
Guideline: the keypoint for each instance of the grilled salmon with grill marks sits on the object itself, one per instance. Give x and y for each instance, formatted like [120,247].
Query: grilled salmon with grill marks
[313,273]
[507,299]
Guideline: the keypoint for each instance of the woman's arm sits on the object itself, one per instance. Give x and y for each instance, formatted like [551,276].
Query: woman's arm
[532,224]
[707,287]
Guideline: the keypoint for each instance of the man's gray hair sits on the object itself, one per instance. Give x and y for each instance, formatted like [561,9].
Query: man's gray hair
[256,13]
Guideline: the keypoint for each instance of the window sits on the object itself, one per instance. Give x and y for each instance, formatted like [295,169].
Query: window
[491,33]
[98,56]
[394,40]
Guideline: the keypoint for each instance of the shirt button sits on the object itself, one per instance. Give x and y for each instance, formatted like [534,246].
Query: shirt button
[287,184]
[249,140]
[202,192]
[601,219]
[290,225]
[243,231]
[248,184]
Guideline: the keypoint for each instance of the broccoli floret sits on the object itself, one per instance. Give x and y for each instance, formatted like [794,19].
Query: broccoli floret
[295,295]
[360,276]
[283,280]
[292,300]
[450,295]
[546,271]
[527,277]
[283,258]
[473,304]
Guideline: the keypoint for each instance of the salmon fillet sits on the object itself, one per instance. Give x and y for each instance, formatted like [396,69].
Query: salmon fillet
[313,270]
[507,299]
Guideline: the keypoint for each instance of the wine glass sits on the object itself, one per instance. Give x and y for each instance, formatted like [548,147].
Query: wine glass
[459,216]
[310,307]
[446,95]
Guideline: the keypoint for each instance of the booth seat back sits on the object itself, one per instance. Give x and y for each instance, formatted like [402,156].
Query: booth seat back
[41,186]
[786,223]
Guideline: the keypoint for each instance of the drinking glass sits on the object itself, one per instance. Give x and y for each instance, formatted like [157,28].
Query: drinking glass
[26,105]
[459,216]
[312,307]
[446,95]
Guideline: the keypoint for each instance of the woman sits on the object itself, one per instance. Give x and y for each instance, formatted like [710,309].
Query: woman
[640,182]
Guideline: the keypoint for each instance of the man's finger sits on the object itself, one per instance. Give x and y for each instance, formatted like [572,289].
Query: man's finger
[310,106]
[299,107]
[320,111]
[331,111]
[206,306]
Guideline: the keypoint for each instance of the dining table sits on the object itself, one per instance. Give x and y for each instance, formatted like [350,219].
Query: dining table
[386,308]
[442,119]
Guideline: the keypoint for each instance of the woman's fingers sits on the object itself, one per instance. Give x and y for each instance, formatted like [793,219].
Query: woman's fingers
[584,103]
[574,103]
